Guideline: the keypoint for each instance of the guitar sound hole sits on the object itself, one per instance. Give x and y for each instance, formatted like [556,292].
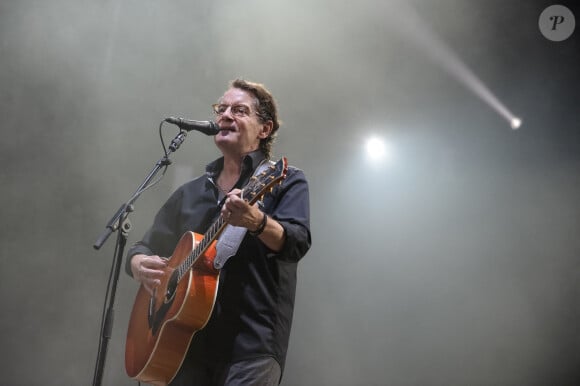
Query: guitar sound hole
[171,288]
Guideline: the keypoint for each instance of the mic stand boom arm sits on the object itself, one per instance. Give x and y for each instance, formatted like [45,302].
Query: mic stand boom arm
[120,221]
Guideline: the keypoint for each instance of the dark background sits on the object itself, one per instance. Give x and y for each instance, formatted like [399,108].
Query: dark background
[455,264]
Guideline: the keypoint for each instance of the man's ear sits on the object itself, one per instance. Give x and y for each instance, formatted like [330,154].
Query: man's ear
[266,130]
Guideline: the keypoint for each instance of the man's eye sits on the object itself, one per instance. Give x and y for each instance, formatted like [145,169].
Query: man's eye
[240,110]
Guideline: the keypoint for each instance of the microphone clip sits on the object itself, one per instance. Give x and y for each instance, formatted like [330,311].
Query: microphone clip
[178,140]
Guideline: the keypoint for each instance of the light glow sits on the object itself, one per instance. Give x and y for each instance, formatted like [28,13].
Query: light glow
[378,150]
[515,123]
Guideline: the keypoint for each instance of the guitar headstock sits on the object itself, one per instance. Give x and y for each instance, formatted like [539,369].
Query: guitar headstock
[265,181]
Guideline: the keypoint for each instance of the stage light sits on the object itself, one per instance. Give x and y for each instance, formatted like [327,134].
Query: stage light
[378,150]
[375,148]
[515,123]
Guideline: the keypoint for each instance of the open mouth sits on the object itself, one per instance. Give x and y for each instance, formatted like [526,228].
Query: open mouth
[225,130]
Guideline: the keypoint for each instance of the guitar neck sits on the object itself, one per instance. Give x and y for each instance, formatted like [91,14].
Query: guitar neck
[213,232]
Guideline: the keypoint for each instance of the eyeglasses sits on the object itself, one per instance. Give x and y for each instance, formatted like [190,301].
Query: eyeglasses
[237,110]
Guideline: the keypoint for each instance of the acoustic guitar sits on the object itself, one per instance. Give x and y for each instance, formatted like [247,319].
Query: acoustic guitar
[162,325]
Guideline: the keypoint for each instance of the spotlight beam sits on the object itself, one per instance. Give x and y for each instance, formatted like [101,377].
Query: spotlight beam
[412,26]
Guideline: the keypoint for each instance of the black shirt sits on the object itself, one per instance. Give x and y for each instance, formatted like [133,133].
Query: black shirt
[255,301]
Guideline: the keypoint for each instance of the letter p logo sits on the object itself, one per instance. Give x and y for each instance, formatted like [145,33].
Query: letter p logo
[557,23]
[556,20]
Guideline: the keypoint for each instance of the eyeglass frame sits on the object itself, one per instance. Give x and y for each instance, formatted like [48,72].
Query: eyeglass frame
[233,110]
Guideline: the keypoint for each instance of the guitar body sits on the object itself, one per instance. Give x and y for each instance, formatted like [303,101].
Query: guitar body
[161,327]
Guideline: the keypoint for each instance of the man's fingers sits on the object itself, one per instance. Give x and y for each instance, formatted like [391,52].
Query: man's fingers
[154,262]
[151,273]
[148,288]
[149,280]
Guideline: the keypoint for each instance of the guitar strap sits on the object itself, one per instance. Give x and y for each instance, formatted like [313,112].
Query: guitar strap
[232,236]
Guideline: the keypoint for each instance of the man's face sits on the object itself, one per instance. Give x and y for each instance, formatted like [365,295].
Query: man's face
[241,126]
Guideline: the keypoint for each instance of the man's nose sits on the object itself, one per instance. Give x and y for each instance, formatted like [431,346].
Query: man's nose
[227,114]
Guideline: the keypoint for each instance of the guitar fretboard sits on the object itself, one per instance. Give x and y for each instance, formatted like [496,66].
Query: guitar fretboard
[208,238]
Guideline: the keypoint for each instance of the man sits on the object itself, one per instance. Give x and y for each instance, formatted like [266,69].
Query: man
[246,339]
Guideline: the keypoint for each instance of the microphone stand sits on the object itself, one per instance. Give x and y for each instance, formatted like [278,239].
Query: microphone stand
[120,222]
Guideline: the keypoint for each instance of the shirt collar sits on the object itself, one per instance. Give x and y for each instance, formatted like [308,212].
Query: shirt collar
[250,160]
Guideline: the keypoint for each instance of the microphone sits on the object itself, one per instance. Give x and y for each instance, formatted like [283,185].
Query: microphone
[206,127]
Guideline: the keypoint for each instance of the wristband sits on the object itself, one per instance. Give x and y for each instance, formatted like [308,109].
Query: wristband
[260,227]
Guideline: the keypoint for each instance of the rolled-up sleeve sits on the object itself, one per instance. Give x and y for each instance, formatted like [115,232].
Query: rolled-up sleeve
[290,206]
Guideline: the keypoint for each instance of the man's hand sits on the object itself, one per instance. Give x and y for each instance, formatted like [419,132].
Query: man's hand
[236,211]
[148,270]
